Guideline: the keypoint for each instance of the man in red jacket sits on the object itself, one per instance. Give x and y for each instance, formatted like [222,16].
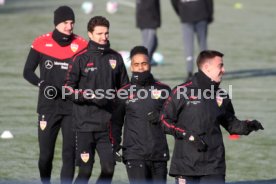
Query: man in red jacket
[52,53]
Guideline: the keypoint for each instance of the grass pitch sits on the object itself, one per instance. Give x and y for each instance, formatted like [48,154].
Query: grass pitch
[246,36]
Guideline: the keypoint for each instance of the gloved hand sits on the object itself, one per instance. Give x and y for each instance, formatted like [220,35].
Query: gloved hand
[153,117]
[193,138]
[116,153]
[254,125]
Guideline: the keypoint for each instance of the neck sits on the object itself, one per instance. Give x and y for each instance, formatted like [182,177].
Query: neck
[62,39]
[99,47]
[205,82]
[142,78]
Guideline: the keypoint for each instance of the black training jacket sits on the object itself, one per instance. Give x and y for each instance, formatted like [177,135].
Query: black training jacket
[203,117]
[53,60]
[193,10]
[142,140]
[98,67]
[148,14]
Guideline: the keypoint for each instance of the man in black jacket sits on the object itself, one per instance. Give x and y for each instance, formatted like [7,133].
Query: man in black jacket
[145,148]
[148,19]
[92,79]
[193,114]
[52,53]
[195,16]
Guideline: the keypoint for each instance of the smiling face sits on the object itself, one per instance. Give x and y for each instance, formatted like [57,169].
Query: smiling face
[100,35]
[66,27]
[214,68]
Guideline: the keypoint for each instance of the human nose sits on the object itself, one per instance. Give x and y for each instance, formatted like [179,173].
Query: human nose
[223,70]
[70,26]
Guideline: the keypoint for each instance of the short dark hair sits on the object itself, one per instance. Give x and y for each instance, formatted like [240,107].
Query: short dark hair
[207,54]
[138,50]
[97,21]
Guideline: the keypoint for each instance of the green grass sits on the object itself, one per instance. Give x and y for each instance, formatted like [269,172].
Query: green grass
[246,36]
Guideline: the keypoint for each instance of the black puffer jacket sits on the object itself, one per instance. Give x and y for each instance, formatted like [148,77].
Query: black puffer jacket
[143,139]
[98,69]
[202,116]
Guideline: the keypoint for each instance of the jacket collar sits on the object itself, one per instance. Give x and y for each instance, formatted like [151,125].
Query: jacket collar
[98,47]
[204,82]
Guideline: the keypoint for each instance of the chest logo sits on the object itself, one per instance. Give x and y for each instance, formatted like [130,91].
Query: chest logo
[156,94]
[90,67]
[193,100]
[113,63]
[49,64]
[219,100]
[74,47]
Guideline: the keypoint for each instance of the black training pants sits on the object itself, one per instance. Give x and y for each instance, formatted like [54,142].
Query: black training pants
[48,128]
[87,143]
[141,171]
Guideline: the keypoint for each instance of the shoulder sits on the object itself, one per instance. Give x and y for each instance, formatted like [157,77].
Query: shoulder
[162,85]
[125,87]
[181,87]
[41,41]
[158,83]
[79,41]
[115,53]
[82,55]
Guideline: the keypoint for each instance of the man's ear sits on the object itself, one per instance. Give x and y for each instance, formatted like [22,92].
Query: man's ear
[205,67]
[89,35]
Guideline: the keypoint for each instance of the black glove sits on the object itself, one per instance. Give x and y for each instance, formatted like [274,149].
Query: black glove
[116,153]
[193,138]
[254,125]
[153,117]
[210,20]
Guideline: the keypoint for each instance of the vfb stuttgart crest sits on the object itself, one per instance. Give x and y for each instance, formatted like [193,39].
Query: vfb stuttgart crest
[112,63]
[42,124]
[156,94]
[74,47]
[85,157]
[219,100]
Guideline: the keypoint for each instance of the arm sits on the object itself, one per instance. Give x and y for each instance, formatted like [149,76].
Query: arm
[123,77]
[236,126]
[169,114]
[117,122]
[71,82]
[30,67]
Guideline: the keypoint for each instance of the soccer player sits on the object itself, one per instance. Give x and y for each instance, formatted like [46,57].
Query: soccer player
[52,53]
[93,73]
[145,148]
[193,114]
